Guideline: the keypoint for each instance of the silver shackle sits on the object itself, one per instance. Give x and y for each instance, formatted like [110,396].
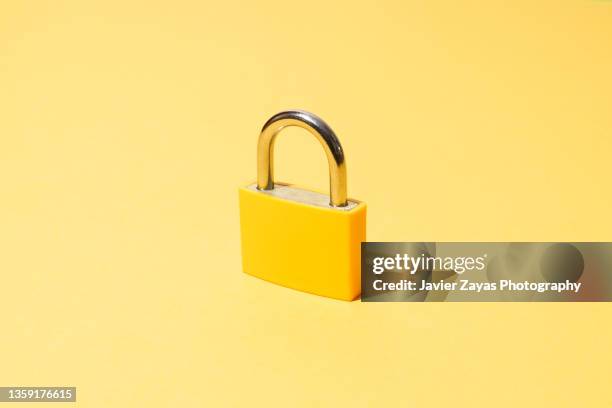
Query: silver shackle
[324,134]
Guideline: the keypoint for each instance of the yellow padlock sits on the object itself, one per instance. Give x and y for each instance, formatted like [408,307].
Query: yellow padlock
[299,238]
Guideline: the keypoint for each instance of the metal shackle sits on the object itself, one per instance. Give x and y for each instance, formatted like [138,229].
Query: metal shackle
[324,134]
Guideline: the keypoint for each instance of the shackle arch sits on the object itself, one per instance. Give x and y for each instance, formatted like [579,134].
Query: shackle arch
[324,134]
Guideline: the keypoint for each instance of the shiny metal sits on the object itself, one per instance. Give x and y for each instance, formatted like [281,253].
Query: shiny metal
[300,195]
[324,134]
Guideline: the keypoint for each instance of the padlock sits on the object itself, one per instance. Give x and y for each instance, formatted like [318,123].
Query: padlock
[298,238]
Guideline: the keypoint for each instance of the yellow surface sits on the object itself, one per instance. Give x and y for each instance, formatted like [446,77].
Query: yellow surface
[300,246]
[127,127]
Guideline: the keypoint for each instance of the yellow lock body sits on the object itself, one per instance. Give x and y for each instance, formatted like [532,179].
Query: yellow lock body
[294,238]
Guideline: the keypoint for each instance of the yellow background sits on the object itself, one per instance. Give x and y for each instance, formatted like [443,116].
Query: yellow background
[126,128]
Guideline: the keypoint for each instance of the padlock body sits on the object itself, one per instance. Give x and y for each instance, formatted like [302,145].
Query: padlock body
[292,237]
